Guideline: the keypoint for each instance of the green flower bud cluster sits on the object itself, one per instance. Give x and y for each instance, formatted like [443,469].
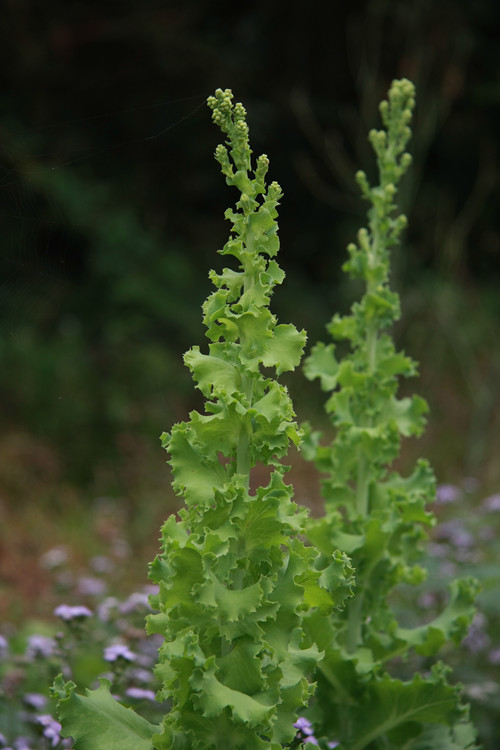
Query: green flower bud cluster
[232,121]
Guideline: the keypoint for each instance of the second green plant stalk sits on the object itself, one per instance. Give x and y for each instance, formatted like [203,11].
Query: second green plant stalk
[373,513]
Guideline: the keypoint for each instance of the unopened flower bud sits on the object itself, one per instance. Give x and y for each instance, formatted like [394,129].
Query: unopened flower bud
[378,139]
[362,181]
[262,167]
[241,127]
[406,160]
[274,192]
[239,111]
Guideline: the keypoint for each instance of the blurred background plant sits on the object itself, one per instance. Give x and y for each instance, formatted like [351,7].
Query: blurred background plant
[466,538]
[111,212]
[100,634]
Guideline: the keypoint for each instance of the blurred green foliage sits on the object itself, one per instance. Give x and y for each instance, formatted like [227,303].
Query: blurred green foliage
[465,540]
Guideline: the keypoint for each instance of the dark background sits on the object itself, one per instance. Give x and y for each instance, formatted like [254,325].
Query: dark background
[111,212]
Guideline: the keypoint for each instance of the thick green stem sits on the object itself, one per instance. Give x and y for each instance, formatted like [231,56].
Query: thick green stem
[243,465]
[354,622]
[371,347]
[243,453]
[243,448]
[355,607]
[362,485]
[341,690]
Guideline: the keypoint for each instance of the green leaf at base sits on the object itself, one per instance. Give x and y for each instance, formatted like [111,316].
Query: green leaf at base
[96,721]
[391,706]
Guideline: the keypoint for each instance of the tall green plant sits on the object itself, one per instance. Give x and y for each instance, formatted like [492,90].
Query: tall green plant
[235,579]
[373,513]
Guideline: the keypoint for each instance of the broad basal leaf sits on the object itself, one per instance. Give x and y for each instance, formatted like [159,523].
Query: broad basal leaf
[450,625]
[96,721]
[462,736]
[389,704]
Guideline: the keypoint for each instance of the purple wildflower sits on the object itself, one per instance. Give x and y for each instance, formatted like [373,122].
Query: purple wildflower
[35,700]
[492,503]
[102,564]
[333,744]
[140,675]
[477,639]
[54,558]
[4,646]
[447,493]
[39,645]
[148,648]
[438,550]
[118,651]
[88,586]
[51,728]
[66,612]
[121,548]
[105,607]
[427,600]
[304,727]
[134,601]
[22,743]
[455,533]
[494,656]
[140,694]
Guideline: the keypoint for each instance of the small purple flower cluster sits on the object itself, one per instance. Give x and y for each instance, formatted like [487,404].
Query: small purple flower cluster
[51,729]
[465,529]
[65,612]
[109,630]
[305,733]
[36,724]
[465,543]
[118,651]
